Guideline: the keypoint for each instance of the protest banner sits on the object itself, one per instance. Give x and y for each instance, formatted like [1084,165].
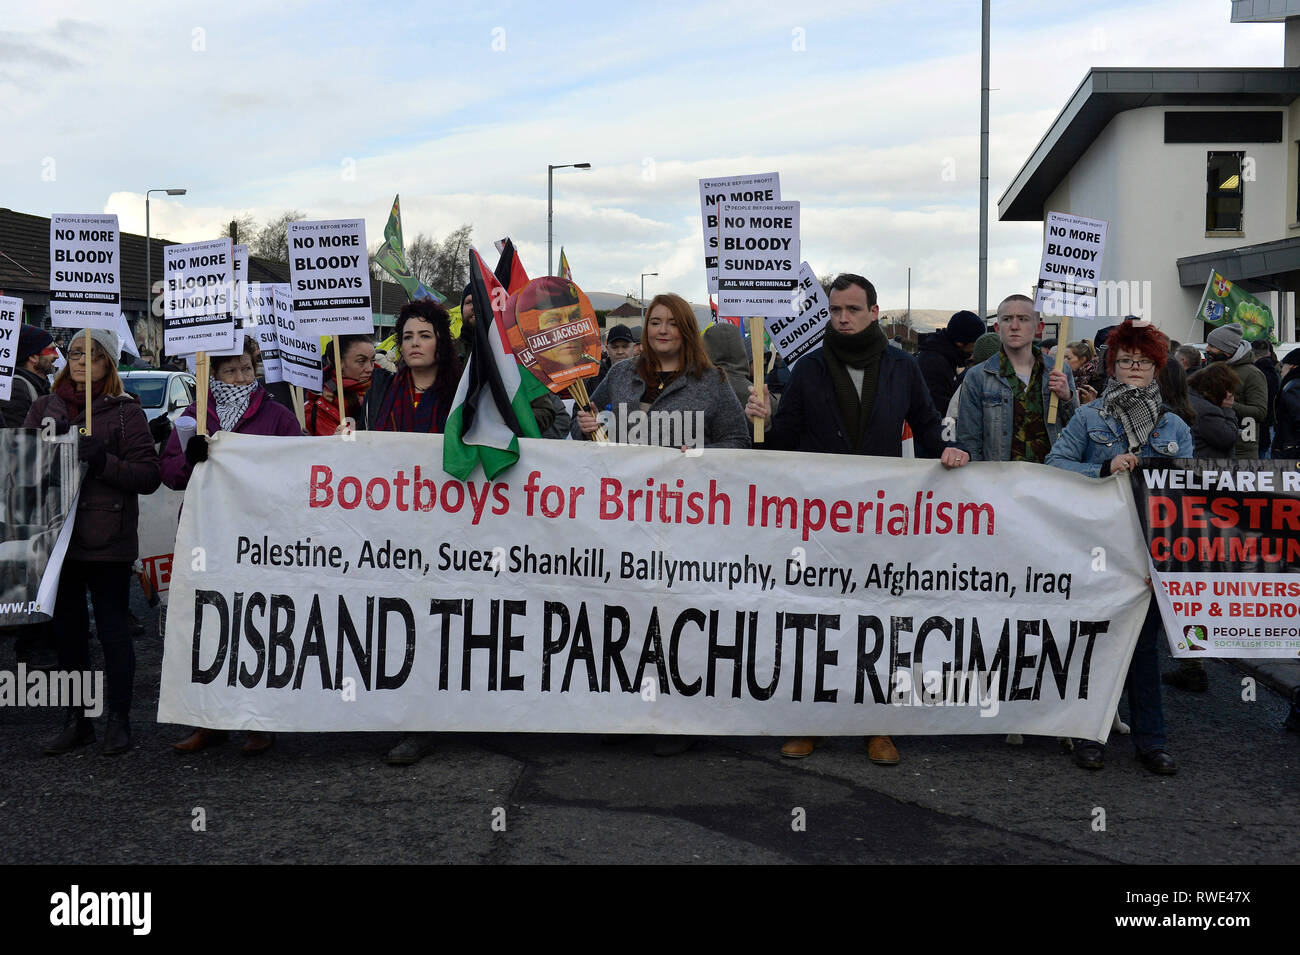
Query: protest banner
[11,320]
[85,271]
[300,359]
[551,327]
[159,514]
[758,263]
[1223,538]
[238,300]
[42,475]
[763,187]
[595,588]
[198,303]
[1224,302]
[329,277]
[800,330]
[262,326]
[1071,265]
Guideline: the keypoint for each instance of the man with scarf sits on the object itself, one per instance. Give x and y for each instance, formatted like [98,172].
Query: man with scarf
[852,396]
[1005,401]
[1108,437]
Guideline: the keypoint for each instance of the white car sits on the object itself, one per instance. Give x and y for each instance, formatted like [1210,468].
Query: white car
[160,392]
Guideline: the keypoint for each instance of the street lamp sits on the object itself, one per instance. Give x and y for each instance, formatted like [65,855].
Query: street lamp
[148,261]
[549,171]
[643,275]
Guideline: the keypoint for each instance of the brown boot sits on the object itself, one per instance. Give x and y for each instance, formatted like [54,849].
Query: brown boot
[201,738]
[880,750]
[257,743]
[799,747]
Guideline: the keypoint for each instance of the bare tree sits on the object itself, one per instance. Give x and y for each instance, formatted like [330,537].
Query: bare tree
[272,241]
[241,228]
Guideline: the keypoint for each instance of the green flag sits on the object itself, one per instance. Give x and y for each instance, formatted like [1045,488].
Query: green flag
[391,257]
[1223,303]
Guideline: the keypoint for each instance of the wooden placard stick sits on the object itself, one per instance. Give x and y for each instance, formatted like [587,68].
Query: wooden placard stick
[756,332]
[1063,336]
[338,380]
[201,371]
[89,386]
[299,411]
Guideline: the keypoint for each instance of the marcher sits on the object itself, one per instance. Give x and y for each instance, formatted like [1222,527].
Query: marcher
[852,396]
[1108,437]
[1211,392]
[942,354]
[33,361]
[986,346]
[239,404]
[1189,357]
[674,383]
[619,343]
[1266,362]
[322,412]
[1251,402]
[726,349]
[120,465]
[1286,443]
[1005,401]
[1081,356]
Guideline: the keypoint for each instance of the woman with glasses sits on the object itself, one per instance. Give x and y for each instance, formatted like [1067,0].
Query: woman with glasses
[1109,436]
[120,464]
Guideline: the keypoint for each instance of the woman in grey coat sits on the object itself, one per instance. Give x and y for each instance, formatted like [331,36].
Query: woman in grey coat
[672,396]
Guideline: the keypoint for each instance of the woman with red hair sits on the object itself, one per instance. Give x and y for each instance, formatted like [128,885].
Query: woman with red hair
[1108,436]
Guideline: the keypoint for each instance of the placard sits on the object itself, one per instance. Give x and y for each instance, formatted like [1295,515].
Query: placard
[85,271]
[796,335]
[329,277]
[11,320]
[758,259]
[1071,266]
[300,361]
[261,324]
[763,187]
[198,294]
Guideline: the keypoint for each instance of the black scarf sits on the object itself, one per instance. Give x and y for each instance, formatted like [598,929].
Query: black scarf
[1136,409]
[860,350]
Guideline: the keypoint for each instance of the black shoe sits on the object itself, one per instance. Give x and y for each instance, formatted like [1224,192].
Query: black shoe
[1089,755]
[1159,762]
[1193,681]
[674,745]
[117,735]
[412,748]
[78,731]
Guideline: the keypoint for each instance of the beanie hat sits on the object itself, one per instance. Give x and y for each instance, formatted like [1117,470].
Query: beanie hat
[965,326]
[1292,358]
[1226,338]
[986,346]
[105,338]
[32,340]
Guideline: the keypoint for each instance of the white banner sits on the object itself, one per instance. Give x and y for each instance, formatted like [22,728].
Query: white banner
[85,271]
[261,324]
[763,187]
[329,277]
[11,320]
[352,585]
[300,361]
[758,264]
[798,333]
[159,513]
[198,297]
[1071,266]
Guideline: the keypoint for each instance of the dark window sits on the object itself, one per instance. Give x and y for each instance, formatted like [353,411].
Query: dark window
[1297,181]
[1223,127]
[1223,193]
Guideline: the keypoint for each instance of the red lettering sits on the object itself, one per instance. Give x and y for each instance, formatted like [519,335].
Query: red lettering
[372,486]
[1161,511]
[354,484]
[1194,512]
[321,476]
[611,506]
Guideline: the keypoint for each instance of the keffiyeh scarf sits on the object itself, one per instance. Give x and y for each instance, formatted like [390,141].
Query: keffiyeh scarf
[231,401]
[1136,409]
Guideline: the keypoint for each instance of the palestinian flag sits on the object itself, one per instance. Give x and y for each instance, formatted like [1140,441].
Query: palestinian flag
[509,271]
[491,410]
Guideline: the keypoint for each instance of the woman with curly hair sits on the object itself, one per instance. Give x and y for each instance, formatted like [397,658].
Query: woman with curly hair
[1129,421]
[418,397]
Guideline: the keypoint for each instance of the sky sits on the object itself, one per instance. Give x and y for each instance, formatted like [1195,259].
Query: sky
[868,110]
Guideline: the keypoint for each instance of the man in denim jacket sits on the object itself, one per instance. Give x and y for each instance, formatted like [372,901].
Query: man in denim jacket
[1004,402]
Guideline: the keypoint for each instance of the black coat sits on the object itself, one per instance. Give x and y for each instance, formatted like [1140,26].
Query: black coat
[808,417]
[26,388]
[1274,384]
[1215,429]
[939,358]
[1286,440]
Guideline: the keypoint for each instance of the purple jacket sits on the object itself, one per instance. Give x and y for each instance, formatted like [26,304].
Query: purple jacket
[263,416]
[107,509]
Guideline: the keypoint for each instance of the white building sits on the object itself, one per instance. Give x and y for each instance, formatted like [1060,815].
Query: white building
[1194,169]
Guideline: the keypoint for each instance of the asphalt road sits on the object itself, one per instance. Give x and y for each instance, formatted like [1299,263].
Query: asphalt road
[329,798]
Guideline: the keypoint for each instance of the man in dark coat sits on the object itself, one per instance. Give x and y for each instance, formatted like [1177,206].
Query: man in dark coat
[35,359]
[852,396]
[942,354]
[1266,361]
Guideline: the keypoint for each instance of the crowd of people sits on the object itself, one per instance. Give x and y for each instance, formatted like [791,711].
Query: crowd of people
[970,395]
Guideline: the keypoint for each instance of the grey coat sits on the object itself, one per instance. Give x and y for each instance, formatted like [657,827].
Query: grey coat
[672,419]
